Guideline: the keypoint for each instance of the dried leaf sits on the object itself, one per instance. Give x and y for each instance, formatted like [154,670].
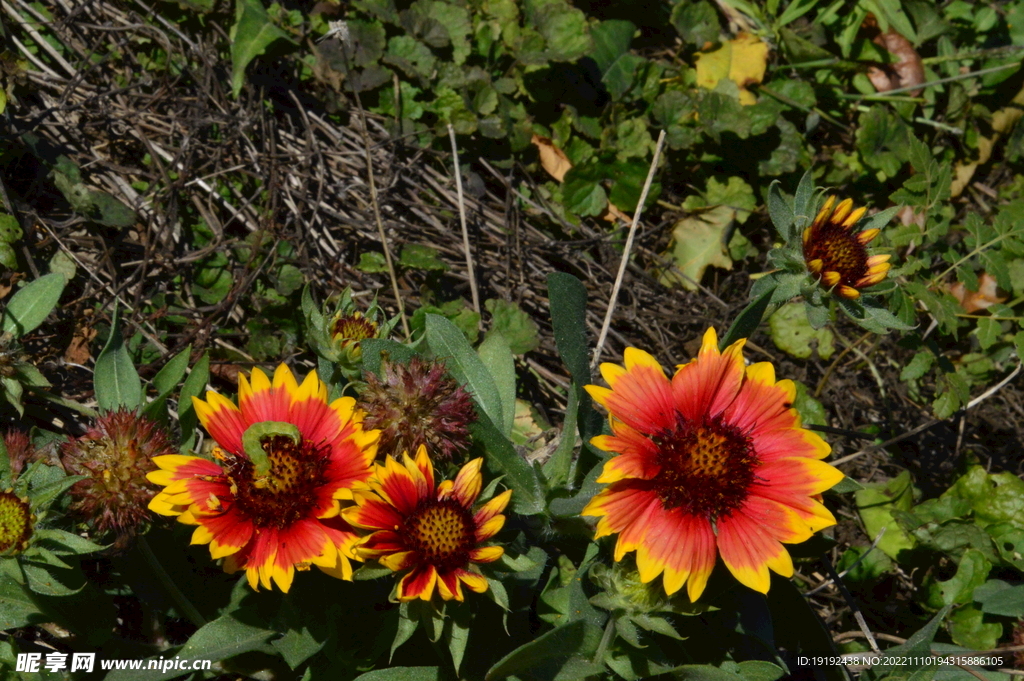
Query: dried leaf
[987,295]
[742,60]
[78,349]
[1003,122]
[552,159]
[699,241]
[906,71]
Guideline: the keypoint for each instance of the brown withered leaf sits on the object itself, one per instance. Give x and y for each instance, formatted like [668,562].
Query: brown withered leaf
[987,295]
[78,349]
[906,71]
[552,159]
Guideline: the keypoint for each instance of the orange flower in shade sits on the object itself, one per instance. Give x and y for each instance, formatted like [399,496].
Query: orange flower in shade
[433,533]
[283,515]
[838,255]
[712,462]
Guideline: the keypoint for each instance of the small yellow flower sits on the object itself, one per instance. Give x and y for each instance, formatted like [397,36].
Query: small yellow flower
[833,251]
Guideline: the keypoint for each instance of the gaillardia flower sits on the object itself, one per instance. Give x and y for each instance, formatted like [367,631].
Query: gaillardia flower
[833,251]
[285,459]
[16,521]
[712,462]
[418,404]
[432,533]
[115,455]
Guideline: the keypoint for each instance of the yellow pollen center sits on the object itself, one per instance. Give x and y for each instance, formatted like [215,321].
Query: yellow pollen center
[15,522]
[288,491]
[706,468]
[354,328]
[442,532]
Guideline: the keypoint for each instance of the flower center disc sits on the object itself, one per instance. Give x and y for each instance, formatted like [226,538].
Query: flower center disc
[706,468]
[354,328]
[15,522]
[442,531]
[288,492]
[839,251]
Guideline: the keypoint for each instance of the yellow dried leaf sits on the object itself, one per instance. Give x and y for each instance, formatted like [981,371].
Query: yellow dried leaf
[742,60]
[552,159]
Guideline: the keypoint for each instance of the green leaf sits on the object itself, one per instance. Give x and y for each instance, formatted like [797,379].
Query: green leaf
[457,630]
[999,598]
[419,257]
[115,379]
[10,230]
[374,348]
[995,498]
[251,35]
[372,262]
[582,195]
[411,56]
[47,580]
[32,304]
[402,674]
[967,627]
[696,22]
[568,300]
[17,609]
[988,332]
[497,357]
[792,333]
[557,468]
[41,497]
[194,386]
[563,26]
[516,326]
[611,53]
[558,655]
[811,411]
[918,646]
[748,319]
[218,640]
[876,504]
[567,507]
[780,212]
[971,573]
[66,543]
[447,342]
[297,645]
[170,374]
[502,458]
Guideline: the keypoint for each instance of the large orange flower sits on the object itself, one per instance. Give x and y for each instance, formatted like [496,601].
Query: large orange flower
[278,512]
[433,533]
[833,251]
[712,462]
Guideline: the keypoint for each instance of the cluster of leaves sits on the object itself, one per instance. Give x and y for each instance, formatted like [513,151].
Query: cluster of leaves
[965,549]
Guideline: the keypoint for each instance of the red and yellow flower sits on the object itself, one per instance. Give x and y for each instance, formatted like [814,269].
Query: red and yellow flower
[713,462]
[833,251]
[280,513]
[431,532]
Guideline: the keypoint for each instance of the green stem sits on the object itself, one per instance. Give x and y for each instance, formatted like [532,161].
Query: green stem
[176,594]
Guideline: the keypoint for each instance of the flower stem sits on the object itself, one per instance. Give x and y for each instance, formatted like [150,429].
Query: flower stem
[176,594]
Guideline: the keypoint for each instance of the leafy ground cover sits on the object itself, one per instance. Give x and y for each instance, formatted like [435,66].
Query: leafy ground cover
[194,192]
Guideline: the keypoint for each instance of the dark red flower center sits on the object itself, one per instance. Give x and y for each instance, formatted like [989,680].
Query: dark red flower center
[706,468]
[354,328]
[15,522]
[288,491]
[839,251]
[442,532]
